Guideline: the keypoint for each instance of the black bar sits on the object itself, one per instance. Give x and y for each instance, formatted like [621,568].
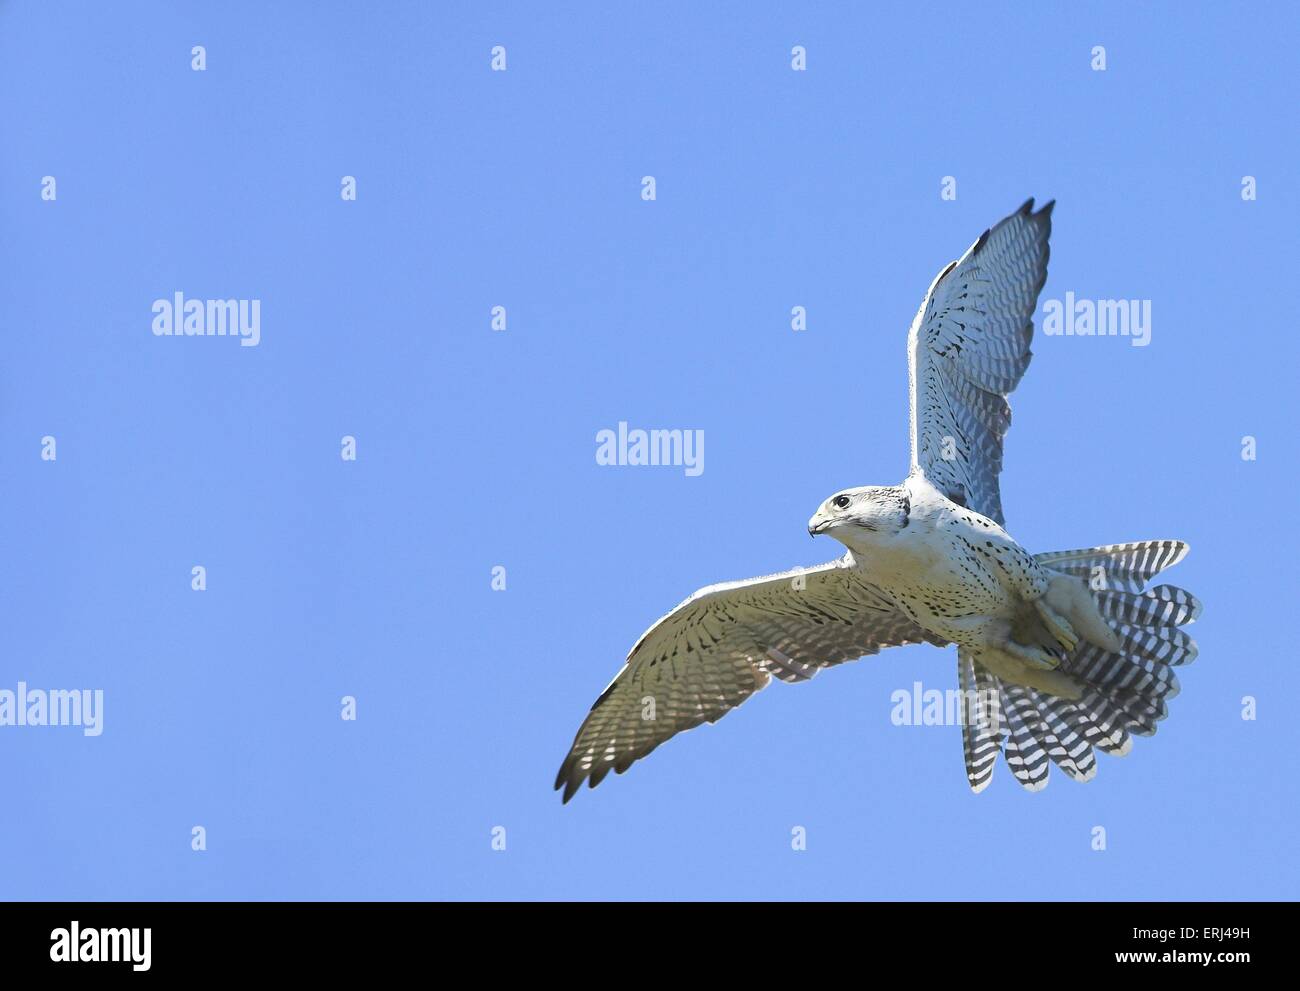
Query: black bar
[937,939]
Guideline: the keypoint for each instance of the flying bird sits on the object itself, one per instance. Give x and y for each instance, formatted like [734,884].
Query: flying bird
[1058,654]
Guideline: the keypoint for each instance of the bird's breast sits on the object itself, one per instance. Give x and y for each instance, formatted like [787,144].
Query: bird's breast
[935,578]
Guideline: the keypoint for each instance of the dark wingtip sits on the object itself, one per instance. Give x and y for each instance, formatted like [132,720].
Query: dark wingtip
[1046,210]
[1026,207]
[570,789]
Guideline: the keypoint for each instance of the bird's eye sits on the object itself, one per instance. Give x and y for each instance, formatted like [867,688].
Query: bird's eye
[841,502]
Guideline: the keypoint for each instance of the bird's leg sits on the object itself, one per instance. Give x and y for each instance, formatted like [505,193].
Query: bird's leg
[1018,651]
[1034,583]
[1039,658]
[1071,597]
[1057,625]
[1008,663]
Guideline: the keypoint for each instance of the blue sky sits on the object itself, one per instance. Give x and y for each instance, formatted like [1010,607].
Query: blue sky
[476,448]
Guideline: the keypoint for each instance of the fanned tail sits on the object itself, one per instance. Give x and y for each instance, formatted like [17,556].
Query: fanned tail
[1123,694]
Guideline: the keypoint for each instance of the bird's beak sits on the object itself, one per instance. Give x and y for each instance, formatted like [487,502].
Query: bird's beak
[818,524]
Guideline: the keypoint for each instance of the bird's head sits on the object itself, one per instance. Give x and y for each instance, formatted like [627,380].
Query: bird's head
[863,518]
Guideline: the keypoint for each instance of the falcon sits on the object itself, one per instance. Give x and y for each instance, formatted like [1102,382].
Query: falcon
[1059,655]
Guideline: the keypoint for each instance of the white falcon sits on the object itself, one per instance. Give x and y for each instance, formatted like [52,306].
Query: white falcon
[1058,654]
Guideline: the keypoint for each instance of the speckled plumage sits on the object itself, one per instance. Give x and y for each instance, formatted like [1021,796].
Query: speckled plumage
[1058,654]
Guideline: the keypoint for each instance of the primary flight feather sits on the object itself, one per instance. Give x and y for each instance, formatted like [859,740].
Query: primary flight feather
[1058,654]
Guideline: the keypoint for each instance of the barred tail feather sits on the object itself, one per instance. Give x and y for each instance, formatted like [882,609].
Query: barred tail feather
[1126,566]
[1104,724]
[1163,605]
[1124,694]
[1068,745]
[1026,755]
[983,727]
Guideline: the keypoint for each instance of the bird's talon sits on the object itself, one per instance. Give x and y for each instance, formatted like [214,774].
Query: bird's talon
[1036,657]
[1057,625]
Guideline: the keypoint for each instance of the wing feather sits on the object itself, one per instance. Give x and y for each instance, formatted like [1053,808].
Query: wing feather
[968,348]
[722,645]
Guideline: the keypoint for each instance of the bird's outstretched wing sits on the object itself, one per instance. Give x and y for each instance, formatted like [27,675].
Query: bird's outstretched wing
[723,644]
[967,349]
